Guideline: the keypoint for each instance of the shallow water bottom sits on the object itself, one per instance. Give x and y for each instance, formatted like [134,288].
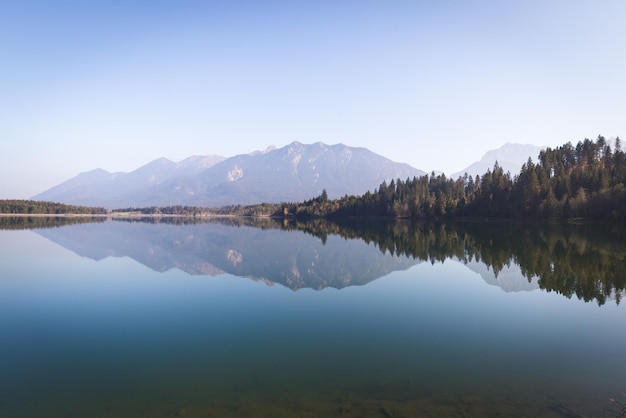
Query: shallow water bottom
[111,338]
[264,396]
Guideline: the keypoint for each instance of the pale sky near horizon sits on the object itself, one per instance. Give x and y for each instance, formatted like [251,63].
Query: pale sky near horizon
[117,84]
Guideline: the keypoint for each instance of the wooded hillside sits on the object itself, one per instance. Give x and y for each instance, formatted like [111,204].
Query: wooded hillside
[582,181]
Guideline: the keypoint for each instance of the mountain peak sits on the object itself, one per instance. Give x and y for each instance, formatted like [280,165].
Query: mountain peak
[199,161]
[295,172]
[163,161]
[96,171]
[265,151]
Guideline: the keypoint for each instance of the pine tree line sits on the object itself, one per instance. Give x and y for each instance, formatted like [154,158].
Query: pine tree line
[34,207]
[582,181]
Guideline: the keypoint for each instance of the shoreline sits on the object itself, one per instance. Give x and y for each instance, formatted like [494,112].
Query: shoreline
[116,215]
[138,215]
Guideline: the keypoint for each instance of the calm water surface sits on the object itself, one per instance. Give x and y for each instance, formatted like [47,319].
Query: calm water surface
[135,319]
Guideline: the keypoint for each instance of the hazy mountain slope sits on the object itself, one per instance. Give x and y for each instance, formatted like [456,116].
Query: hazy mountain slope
[293,173]
[80,188]
[510,157]
[99,187]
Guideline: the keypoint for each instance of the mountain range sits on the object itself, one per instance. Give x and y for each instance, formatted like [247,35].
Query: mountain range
[295,172]
[292,173]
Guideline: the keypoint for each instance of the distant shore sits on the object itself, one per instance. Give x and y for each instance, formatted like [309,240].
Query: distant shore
[56,215]
[116,215]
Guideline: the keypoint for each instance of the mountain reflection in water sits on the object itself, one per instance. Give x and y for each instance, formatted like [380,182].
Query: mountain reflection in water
[586,261]
[114,338]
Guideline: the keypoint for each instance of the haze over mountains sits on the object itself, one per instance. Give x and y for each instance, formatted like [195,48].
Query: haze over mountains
[292,173]
[295,172]
[510,157]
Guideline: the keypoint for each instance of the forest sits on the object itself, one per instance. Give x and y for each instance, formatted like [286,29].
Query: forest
[585,181]
[34,207]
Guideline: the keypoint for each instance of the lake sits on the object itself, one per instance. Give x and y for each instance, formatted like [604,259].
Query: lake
[183,318]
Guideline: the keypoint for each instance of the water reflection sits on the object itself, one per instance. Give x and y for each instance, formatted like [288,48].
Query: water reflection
[37,222]
[116,339]
[586,261]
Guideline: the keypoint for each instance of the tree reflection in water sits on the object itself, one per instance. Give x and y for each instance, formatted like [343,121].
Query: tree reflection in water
[587,260]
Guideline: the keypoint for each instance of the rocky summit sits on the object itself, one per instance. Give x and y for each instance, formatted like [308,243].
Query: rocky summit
[292,173]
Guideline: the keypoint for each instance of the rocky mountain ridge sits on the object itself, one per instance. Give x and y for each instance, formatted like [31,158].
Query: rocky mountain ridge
[292,173]
[295,172]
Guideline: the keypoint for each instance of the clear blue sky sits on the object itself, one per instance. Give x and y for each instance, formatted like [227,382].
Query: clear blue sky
[116,84]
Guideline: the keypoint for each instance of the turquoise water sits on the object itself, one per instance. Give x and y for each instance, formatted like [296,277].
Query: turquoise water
[150,320]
